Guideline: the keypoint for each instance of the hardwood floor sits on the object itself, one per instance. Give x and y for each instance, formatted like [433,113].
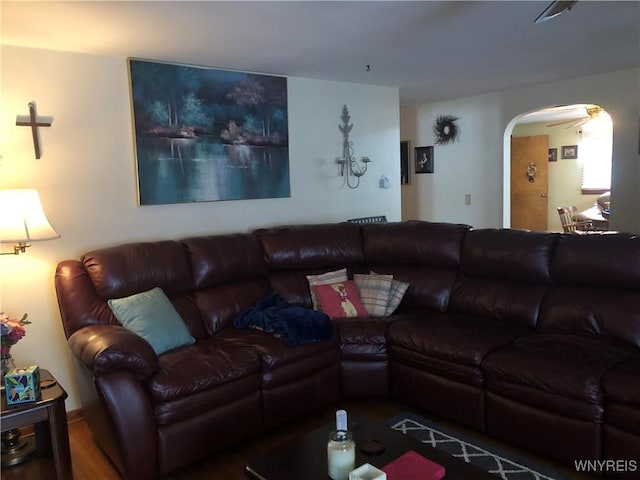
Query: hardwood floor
[90,464]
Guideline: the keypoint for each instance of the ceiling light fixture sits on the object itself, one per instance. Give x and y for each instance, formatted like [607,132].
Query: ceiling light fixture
[553,10]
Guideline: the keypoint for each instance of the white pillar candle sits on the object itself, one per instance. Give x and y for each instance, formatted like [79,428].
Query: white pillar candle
[341,449]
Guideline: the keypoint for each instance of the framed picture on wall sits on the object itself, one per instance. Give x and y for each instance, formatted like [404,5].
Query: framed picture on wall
[553,154]
[404,162]
[570,151]
[203,134]
[424,159]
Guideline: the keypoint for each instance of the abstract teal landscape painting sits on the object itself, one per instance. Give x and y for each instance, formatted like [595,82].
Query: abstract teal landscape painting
[203,134]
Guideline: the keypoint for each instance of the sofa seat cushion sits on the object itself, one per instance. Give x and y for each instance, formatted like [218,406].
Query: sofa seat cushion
[200,377]
[198,367]
[363,337]
[556,371]
[450,345]
[210,402]
[283,363]
[622,383]
[622,396]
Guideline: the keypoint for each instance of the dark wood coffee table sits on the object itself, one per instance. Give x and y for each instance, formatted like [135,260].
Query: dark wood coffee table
[305,458]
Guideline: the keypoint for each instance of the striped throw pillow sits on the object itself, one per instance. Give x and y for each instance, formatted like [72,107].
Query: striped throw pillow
[396,294]
[374,292]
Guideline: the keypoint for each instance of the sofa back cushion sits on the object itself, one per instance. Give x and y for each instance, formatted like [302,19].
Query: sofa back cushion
[425,255]
[607,260]
[503,274]
[229,275]
[308,247]
[596,286]
[127,269]
[136,267]
[221,259]
[295,251]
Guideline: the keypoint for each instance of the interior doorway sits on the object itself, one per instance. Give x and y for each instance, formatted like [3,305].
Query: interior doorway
[529,182]
[578,161]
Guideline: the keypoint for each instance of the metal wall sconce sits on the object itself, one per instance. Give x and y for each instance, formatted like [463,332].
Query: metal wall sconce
[349,166]
[22,220]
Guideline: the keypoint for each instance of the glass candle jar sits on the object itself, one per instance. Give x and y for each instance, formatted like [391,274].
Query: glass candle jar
[341,454]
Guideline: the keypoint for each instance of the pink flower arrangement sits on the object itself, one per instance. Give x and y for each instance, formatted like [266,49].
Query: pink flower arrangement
[12,331]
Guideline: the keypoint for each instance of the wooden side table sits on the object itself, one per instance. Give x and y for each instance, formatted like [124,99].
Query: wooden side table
[49,418]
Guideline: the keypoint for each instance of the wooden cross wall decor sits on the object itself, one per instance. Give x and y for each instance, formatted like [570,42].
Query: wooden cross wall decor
[34,122]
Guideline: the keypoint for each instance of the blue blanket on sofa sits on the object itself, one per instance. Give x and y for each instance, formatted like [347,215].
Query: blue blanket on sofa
[294,324]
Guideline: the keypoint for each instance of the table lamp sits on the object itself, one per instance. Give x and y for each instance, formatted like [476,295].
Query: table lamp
[22,220]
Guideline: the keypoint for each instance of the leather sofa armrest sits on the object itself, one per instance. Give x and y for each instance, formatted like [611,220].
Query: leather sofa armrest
[133,425]
[105,349]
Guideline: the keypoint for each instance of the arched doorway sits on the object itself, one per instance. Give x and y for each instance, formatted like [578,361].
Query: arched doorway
[579,142]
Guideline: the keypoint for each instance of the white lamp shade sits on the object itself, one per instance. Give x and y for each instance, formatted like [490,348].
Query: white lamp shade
[22,218]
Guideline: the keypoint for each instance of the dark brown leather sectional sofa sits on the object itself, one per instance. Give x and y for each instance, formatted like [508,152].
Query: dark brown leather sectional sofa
[531,337]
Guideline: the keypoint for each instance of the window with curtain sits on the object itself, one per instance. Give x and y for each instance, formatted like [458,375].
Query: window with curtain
[596,150]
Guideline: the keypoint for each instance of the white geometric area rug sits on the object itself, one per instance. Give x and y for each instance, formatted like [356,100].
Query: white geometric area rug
[491,459]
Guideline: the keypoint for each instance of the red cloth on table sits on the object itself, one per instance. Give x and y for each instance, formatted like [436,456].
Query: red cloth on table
[412,466]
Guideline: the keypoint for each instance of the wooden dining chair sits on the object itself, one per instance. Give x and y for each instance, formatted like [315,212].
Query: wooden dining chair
[570,224]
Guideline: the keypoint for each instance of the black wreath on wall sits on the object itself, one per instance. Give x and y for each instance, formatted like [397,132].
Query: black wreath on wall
[445,129]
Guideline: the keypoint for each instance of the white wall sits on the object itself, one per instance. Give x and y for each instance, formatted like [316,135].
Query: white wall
[467,166]
[476,164]
[86,176]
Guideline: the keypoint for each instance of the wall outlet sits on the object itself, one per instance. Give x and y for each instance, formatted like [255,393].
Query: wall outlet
[467,199]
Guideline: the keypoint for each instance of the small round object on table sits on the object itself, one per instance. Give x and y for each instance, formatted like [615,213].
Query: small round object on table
[48,383]
[372,447]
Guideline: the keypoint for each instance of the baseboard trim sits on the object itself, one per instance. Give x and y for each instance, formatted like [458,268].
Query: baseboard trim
[75,416]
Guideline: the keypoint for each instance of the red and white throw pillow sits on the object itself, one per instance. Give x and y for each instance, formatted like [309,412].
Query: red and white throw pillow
[324,279]
[341,300]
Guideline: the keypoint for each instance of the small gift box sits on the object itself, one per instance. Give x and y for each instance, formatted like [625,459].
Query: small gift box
[367,472]
[22,385]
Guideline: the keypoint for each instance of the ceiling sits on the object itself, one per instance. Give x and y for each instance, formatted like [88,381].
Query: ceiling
[430,50]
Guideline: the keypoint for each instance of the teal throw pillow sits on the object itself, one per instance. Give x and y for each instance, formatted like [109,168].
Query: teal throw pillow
[151,315]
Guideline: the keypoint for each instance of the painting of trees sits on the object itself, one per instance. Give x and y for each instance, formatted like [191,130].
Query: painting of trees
[170,100]
[214,109]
